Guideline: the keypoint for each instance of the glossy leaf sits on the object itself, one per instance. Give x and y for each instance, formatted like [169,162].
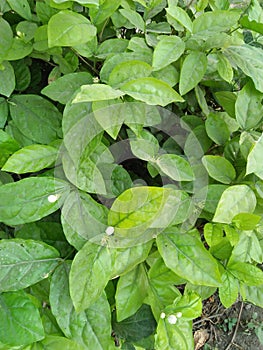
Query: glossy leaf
[68,28]
[186,256]
[27,200]
[130,293]
[250,60]
[228,292]
[90,328]
[30,159]
[168,50]
[176,167]
[254,159]
[63,88]
[234,200]
[90,262]
[219,168]
[19,328]
[151,91]
[25,262]
[7,77]
[96,92]
[192,72]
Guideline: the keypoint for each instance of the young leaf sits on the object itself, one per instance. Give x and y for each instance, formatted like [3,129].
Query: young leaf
[250,60]
[19,328]
[68,28]
[63,88]
[8,79]
[176,167]
[30,159]
[29,199]
[174,336]
[90,328]
[169,49]
[219,168]
[130,293]
[25,262]
[186,256]
[224,68]
[152,91]
[181,16]
[96,92]
[89,275]
[228,292]
[127,71]
[234,200]
[254,159]
[7,146]
[192,72]
[248,107]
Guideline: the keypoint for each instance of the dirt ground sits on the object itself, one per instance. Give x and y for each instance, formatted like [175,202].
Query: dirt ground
[229,329]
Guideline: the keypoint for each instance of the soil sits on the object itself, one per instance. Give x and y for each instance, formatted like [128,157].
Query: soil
[214,330]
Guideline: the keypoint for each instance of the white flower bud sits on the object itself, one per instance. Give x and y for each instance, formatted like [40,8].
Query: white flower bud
[162,315]
[172,319]
[179,314]
[110,230]
[53,198]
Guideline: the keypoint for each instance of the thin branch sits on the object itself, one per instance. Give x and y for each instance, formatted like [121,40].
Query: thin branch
[236,328]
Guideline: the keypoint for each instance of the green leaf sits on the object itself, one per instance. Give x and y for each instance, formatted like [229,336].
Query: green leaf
[130,293]
[213,234]
[176,167]
[234,200]
[174,336]
[169,49]
[21,7]
[250,60]
[36,118]
[110,47]
[18,50]
[55,342]
[145,146]
[96,92]
[90,328]
[252,294]
[254,159]
[214,21]
[4,111]
[168,74]
[68,28]
[25,262]
[181,16]
[133,17]
[228,292]
[247,273]
[189,305]
[152,91]
[89,275]
[82,218]
[248,248]
[127,71]
[6,35]
[248,107]
[63,88]
[192,72]
[30,159]
[7,77]
[186,256]
[246,221]
[7,146]
[27,200]
[20,319]
[104,11]
[224,68]
[219,168]
[217,128]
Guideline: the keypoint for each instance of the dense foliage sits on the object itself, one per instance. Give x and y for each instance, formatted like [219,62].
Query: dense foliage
[131,182]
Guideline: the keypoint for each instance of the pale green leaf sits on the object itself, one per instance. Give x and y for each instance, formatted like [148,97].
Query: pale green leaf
[192,72]
[7,78]
[169,49]
[96,92]
[30,159]
[246,273]
[181,16]
[152,91]
[219,168]
[228,292]
[133,17]
[254,159]
[176,167]
[224,68]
